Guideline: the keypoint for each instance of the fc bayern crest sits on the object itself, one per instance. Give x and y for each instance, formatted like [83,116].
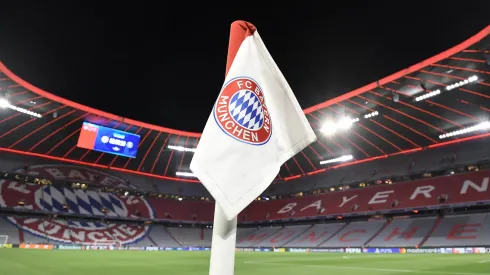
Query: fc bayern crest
[88,203]
[241,112]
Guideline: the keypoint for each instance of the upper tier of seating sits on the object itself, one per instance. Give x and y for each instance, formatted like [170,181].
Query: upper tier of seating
[463,188]
[438,158]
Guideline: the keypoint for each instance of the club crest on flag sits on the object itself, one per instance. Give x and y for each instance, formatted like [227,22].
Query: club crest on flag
[241,112]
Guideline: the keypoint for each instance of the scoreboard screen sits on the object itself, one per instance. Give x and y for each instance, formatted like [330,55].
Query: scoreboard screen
[108,140]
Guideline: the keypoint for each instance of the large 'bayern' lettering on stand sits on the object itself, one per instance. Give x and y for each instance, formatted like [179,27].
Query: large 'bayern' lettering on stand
[458,188]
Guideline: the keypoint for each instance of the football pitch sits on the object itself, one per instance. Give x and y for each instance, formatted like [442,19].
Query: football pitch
[63,262]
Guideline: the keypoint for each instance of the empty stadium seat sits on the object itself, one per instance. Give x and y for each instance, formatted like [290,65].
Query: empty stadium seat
[283,236]
[243,232]
[461,230]
[402,233]
[315,235]
[7,228]
[182,210]
[161,237]
[355,234]
[191,236]
[257,236]
[143,242]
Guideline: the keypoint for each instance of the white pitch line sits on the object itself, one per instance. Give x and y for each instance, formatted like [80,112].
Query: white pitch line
[334,258]
[377,269]
[485,261]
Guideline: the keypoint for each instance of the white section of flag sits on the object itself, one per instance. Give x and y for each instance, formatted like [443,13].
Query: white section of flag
[234,172]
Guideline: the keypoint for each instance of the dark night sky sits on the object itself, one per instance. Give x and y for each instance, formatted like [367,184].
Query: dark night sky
[165,63]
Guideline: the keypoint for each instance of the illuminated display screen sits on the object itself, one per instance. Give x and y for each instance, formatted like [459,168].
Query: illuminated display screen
[108,140]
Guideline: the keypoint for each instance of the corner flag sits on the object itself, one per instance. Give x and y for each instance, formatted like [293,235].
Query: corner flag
[255,126]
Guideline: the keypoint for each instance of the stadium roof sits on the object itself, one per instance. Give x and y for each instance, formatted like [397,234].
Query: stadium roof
[442,100]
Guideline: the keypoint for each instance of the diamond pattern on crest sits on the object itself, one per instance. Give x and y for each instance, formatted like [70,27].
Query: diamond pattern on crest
[89,202]
[246,110]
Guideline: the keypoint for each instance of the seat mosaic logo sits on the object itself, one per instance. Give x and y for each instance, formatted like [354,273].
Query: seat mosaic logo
[79,202]
[241,112]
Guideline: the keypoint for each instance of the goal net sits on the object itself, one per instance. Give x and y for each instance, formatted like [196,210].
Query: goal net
[3,240]
[105,245]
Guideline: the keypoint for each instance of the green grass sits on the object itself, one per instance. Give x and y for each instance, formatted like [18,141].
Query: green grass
[63,262]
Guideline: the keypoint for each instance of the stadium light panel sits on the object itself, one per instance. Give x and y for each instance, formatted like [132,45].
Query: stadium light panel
[185,174]
[339,159]
[448,88]
[346,123]
[330,128]
[181,148]
[370,115]
[4,103]
[428,95]
[462,83]
[478,127]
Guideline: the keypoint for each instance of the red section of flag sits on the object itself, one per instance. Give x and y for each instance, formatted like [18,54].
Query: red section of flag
[239,31]
[88,136]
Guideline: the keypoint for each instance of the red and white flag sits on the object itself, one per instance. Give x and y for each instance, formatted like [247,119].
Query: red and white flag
[255,126]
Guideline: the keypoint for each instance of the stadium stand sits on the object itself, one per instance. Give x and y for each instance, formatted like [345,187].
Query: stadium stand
[244,232]
[283,236]
[146,241]
[461,230]
[435,159]
[257,236]
[173,210]
[460,188]
[10,230]
[316,235]
[36,238]
[414,157]
[452,231]
[467,188]
[355,234]
[160,236]
[404,232]
[192,236]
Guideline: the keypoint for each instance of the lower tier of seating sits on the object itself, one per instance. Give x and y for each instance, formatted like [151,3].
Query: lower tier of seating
[450,231]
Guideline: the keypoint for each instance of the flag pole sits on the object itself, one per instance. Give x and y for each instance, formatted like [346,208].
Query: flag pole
[223,244]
